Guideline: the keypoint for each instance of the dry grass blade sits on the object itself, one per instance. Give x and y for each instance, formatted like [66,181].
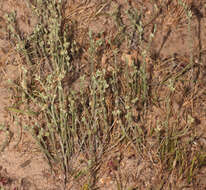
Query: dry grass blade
[176,12]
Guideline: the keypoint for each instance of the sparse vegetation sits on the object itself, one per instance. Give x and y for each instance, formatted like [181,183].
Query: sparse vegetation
[124,97]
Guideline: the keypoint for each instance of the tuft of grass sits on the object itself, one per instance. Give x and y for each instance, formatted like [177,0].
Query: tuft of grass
[47,55]
[114,107]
